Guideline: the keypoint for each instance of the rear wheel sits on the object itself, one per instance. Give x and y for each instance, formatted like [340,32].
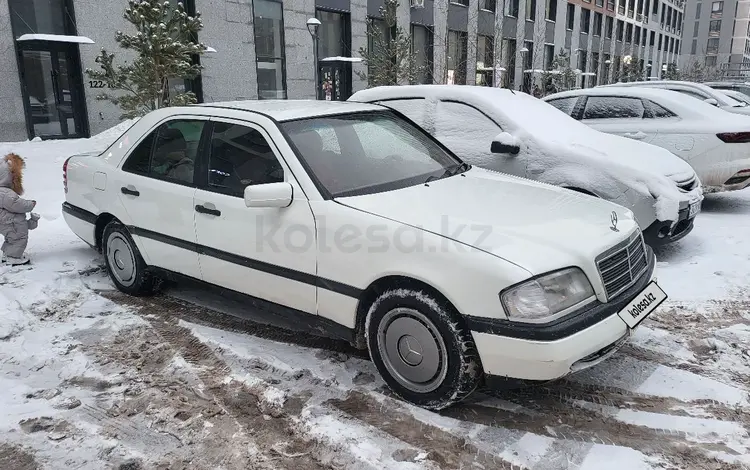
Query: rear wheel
[421,348]
[124,262]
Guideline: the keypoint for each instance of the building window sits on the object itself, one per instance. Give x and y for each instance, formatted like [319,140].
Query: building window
[489,5]
[550,9]
[694,46]
[549,56]
[610,21]
[677,46]
[600,3]
[457,57]
[509,52]
[637,37]
[333,34]
[653,39]
[597,24]
[585,20]
[714,28]
[628,32]
[620,28]
[698,10]
[717,8]
[47,17]
[658,47]
[711,61]
[269,49]
[530,10]
[611,5]
[512,8]
[461,2]
[571,16]
[421,43]
[621,7]
[485,60]
[712,46]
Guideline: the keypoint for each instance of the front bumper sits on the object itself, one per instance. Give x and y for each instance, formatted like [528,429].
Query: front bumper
[513,353]
[662,233]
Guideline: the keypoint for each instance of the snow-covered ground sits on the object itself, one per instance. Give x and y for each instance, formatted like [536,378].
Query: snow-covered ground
[93,379]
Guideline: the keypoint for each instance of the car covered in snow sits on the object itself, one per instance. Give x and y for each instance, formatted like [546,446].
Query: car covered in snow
[514,133]
[715,143]
[357,224]
[699,91]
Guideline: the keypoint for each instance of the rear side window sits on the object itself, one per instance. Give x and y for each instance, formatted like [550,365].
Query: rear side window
[168,153]
[565,105]
[613,107]
[657,111]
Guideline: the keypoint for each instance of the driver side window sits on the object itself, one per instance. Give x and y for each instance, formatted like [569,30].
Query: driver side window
[240,157]
[465,130]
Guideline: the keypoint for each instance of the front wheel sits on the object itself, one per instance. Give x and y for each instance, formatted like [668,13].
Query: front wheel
[421,348]
[124,263]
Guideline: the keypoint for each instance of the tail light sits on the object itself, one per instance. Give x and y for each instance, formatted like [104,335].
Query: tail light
[734,137]
[65,174]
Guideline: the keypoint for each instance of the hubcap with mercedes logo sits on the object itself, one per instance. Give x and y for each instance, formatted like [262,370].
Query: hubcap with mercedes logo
[412,350]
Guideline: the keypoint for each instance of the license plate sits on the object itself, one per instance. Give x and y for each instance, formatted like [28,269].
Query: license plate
[694,209]
[643,304]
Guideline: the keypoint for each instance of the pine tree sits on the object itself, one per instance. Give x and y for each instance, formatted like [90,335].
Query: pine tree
[164,45]
[671,73]
[562,77]
[390,61]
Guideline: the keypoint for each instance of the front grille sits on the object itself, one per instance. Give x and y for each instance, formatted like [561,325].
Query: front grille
[688,185]
[620,269]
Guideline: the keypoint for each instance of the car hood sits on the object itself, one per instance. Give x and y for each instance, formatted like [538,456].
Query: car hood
[536,226]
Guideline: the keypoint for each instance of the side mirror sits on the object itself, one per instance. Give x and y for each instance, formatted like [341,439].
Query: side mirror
[269,195]
[711,101]
[505,143]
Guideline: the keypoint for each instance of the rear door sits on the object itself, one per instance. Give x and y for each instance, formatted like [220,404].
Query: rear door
[156,187]
[619,115]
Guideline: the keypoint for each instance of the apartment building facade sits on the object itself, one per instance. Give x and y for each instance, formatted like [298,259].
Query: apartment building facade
[262,49]
[717,36]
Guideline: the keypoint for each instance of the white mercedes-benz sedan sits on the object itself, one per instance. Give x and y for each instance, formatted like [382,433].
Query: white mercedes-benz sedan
[514,133]
[357,224]
[715,143]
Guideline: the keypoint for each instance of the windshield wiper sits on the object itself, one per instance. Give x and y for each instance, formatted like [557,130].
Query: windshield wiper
[453,171]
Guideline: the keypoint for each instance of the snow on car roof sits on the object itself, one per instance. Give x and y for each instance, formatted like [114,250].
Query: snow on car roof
[722,99]
[288,110]
[518,109]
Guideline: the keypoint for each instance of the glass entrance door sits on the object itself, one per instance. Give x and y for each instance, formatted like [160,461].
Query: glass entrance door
[53,91]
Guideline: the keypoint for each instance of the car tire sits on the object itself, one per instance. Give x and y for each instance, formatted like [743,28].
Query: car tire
[124,262]
[422,349]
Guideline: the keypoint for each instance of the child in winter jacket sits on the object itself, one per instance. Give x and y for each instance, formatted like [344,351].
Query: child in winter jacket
[14,227]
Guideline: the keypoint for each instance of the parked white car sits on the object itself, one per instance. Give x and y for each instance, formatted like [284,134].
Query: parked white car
[357,224]
[695,90]
[741,87]
[535,141]
[716,144]
[738,95]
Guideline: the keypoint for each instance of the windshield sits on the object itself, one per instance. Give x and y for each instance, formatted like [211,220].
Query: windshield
[364,153]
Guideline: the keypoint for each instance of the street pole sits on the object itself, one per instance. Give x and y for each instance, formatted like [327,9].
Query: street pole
[312,26]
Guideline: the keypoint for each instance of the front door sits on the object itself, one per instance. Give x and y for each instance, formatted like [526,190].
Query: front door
[53,90]
[267,253]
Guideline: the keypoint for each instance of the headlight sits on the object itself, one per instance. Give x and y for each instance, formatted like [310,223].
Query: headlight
[546,296]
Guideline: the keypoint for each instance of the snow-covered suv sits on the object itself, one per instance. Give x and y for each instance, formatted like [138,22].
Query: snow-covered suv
[356,224]
[517,134]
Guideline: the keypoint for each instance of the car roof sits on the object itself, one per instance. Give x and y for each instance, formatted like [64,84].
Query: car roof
[640,92]
[288,110]
[466,93]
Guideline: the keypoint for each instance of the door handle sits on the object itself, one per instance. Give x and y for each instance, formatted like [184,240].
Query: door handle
[635,135]
[206,209]
[130,190]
